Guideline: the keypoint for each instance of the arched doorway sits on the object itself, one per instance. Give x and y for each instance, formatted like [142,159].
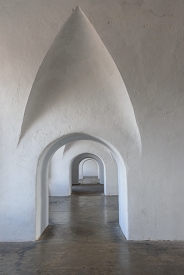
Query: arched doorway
[75,167]
[60,167]
[90,170]
[86,184]
[42,201]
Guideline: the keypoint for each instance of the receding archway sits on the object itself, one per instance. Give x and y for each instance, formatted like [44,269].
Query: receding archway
[75,167]
[42,201]
[90,168]
[60,172]
[87,183]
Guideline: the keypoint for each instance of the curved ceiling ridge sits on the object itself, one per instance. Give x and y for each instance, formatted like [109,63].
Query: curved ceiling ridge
[78,77]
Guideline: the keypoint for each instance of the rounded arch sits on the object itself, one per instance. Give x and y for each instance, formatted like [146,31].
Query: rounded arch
[42,201]
[61,186]
[75,166]
[86,162]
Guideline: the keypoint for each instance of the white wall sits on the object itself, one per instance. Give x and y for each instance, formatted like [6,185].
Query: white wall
[145,41]
[81,169]
[55,174]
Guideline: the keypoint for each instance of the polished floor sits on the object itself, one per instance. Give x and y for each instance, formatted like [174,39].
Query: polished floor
[84,238]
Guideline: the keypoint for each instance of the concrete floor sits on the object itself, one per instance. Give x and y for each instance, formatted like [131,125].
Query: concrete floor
[88,189]
[84,238]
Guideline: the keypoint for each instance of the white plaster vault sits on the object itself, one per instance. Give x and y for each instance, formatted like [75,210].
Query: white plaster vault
[78,103]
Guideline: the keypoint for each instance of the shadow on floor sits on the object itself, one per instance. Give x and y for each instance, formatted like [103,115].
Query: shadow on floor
[88,189]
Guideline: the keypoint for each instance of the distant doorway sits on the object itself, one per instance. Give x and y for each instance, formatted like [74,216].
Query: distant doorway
[87,175]
[89,172]
[42,190]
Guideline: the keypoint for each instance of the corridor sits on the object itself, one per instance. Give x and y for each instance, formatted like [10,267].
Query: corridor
[84,238]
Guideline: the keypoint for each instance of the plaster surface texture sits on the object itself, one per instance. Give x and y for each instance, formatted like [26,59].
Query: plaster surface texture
[55,174]
[60,182]
[145,39]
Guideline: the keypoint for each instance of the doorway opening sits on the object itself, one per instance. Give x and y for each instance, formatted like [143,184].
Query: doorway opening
[42,206]
[86,201]
[88,175]
[89,179]
[89,172]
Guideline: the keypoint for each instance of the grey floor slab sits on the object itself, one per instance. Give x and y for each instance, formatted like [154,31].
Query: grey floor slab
[84,238]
